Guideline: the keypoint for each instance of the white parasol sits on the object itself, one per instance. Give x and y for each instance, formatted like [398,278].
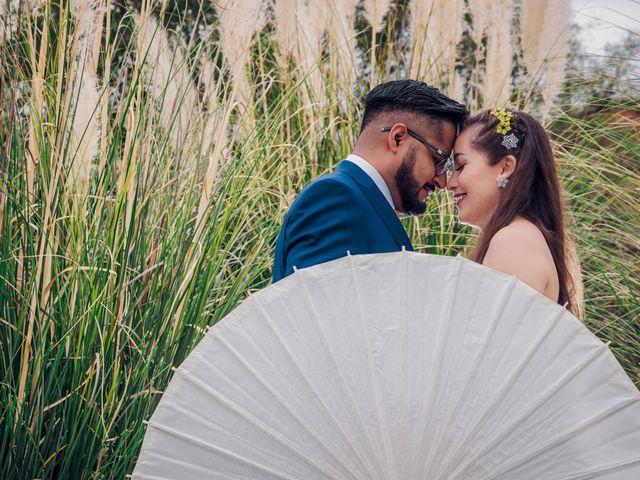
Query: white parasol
[396,366]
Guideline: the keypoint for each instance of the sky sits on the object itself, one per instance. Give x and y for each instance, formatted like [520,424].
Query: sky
[605,21]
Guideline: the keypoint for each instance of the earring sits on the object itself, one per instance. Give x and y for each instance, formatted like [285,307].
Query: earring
[502,181]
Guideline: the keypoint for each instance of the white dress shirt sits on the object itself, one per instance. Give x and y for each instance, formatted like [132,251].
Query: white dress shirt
[367,168]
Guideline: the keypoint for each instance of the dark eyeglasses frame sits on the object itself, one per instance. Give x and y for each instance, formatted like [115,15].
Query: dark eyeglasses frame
[446,161]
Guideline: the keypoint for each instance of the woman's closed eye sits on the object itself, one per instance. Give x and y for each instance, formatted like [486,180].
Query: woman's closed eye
[459,167]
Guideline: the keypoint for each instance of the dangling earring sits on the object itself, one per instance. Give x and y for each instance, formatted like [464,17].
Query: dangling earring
[502,181]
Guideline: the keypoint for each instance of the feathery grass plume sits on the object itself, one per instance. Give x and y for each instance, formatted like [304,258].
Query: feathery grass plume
[534,44]
[374,12]
[168,79]
[558,20]
[457,88]
[212,116]
[8,19]
[300,25]
[497,79]
[299,40]
[85,97]
[285,18]
[342,35]
[480,19]
[239,20]
[436,28]
[544,25]
[420,18]
[312,18]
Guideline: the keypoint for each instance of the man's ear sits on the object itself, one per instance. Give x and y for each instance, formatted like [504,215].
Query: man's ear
[396,135]
[509,163]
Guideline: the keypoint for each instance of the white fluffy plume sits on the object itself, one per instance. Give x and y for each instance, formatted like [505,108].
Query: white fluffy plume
[545,41]
[374,11]
[167,79]
[342,33]
[239,20]
[85,96]
[499,58]
[301,24]
[436,28]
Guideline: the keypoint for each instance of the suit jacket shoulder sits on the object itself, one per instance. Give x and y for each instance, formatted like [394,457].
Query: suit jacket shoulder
[336,213]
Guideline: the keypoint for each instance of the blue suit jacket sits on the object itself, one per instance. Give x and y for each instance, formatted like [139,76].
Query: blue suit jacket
[341,211]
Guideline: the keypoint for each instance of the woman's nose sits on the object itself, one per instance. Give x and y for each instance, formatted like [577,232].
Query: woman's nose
[452,182]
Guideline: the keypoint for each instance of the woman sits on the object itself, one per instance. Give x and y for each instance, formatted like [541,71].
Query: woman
[505,183]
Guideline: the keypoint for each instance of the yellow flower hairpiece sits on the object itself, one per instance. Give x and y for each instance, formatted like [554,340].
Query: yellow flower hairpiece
[509,141]
[504,117]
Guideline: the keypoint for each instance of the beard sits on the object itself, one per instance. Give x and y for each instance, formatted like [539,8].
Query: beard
[408,186]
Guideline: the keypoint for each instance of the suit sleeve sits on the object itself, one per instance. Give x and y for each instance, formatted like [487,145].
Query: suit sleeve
[326,222]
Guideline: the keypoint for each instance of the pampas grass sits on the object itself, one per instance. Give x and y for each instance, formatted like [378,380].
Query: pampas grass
[497,79]
[480,20]
[239,22]
[545,37]
[374,12]
[556,69]
[85,96]
[435,31]
[168,78]
[343,36]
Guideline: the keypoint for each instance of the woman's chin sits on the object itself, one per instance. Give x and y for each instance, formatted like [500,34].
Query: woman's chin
[465,220]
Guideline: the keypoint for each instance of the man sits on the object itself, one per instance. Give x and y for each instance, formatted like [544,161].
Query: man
[400,158]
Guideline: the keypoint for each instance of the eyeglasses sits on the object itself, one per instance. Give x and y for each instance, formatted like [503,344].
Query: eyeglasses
[444,165]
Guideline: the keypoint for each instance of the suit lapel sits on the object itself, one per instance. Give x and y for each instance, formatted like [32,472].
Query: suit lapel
[377,199]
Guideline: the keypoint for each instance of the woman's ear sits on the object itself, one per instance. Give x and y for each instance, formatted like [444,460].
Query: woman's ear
[509,163]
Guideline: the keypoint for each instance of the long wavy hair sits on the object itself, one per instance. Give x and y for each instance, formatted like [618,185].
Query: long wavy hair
[533,192]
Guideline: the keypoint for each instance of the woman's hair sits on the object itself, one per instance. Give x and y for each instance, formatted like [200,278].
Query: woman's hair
[533,192]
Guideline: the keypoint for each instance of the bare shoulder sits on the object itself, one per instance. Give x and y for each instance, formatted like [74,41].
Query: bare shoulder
[520,235]
[520,249]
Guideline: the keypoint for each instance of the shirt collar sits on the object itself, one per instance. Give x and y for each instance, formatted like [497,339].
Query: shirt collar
[369,169]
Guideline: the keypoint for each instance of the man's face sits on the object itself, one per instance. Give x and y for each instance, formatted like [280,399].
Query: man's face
[416,176]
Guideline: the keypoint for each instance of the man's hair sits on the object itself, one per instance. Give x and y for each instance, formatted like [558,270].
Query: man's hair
[414,97]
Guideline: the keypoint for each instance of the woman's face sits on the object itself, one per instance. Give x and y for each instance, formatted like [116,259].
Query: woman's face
[473,182]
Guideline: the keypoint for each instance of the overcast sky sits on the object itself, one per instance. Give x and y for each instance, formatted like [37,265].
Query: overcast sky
[605,21]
